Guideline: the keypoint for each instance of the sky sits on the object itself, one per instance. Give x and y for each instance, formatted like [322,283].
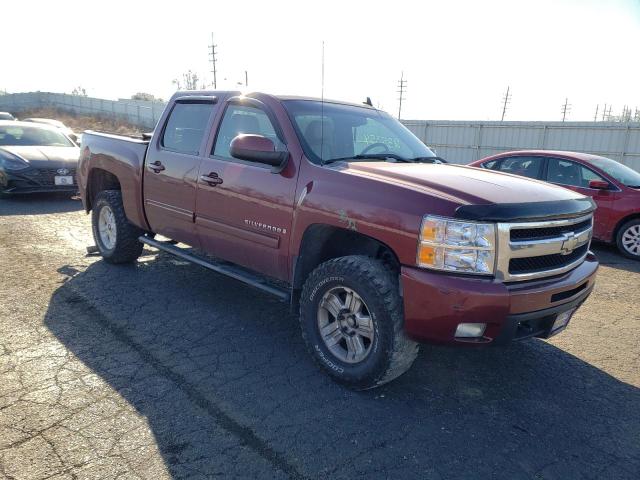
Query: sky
[458,56]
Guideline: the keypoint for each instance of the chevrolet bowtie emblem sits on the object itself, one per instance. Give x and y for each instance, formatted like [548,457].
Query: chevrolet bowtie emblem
[570,243]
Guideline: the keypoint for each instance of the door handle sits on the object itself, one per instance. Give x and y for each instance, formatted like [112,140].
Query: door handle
[212,179]
[156,166]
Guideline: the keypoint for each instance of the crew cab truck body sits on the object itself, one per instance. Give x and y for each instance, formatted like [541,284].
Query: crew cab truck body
[342,211]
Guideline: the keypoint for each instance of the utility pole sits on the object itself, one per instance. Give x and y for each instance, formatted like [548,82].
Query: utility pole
[402,89]
[212,59]
[595,117]
[505,102]
[246,78]
[566,108]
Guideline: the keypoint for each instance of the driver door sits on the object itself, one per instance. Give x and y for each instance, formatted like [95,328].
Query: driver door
[243,210]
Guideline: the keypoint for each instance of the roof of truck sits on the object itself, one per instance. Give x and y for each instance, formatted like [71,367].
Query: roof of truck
[279,97]
[318,99]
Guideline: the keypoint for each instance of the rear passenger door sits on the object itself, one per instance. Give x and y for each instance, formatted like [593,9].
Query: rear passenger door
[171,169]
[525,166]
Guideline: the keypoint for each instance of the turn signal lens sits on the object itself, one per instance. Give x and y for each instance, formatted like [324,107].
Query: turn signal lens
[433,230]
[430,256]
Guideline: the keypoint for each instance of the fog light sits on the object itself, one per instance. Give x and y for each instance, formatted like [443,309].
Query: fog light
[470,330]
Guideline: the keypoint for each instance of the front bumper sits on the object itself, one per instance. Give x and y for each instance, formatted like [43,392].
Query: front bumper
[435,303]
[35,180]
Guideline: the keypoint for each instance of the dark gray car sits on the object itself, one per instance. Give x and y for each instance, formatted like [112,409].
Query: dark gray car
[36,158]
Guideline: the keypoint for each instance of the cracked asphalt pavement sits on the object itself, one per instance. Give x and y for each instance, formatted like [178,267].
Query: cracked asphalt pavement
[163,369]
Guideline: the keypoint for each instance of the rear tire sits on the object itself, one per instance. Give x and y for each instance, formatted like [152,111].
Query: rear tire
[115,237]
[341,299]
[628,239]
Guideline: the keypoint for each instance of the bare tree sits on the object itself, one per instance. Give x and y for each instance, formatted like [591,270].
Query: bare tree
[81,92]
[189,81]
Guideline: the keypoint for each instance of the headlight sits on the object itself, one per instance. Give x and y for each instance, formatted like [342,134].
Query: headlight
[9,161]
[453,245]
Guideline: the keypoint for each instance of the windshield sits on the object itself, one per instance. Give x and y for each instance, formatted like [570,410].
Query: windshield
[32,136]
[620,172]
[331,131]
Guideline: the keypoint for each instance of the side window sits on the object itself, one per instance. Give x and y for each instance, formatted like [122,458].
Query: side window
[530,167]
[186,126]
[566,172]
[491,165]
[240,119]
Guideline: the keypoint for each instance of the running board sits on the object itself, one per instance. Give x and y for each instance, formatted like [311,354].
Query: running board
[225,268]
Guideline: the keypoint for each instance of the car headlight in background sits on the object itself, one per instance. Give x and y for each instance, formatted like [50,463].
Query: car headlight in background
[457,246]
[11,162]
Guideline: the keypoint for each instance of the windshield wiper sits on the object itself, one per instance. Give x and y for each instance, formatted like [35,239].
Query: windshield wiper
[428,160]
[368,156]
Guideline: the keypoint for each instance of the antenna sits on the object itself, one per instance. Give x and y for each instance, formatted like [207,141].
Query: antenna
[322,108]
[506,100]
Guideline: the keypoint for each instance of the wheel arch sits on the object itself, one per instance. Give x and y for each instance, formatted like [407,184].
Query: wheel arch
[98,180]
[621,222]
[322,242]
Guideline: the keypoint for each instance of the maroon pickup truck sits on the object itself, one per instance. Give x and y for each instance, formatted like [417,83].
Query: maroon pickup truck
[341,211]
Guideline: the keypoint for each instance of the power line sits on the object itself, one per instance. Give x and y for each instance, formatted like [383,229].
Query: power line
[505,101]
[212,59]
[566,108]
[402,89]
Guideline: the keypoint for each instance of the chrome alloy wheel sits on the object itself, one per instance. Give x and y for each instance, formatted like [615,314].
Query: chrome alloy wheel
[107,227]
[631,240]
[345,324]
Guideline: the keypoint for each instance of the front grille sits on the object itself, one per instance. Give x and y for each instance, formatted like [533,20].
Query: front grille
[45,176]
[537,249]
[545,262]
[523,234]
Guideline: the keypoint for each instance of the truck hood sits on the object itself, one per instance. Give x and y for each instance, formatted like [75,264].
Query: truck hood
[40,156]
[461,184]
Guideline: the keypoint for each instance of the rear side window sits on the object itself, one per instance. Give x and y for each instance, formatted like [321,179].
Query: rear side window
[530,167]
[186,126]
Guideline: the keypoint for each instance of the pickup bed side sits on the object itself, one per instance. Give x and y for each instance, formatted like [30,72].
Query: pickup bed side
[113,162]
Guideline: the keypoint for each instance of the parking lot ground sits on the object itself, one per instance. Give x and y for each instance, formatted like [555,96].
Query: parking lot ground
[163,369]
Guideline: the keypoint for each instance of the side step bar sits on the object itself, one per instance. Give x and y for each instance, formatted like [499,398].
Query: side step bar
[227,269]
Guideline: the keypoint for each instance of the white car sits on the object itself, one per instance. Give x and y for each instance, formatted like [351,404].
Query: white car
[55,123]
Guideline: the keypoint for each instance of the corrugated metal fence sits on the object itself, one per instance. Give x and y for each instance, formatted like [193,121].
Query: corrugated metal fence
[136,112]
[464,142]
[456,141]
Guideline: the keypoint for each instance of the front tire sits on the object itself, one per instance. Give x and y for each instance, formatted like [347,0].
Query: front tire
[628,239]
[115,237]
[352,322]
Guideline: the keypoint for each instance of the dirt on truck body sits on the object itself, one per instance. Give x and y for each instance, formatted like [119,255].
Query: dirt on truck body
[340,210]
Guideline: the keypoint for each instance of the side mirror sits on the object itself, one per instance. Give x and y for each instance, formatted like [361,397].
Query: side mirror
[260,149]
[598,184]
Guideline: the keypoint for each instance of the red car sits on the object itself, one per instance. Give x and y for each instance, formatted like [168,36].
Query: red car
[614,187]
